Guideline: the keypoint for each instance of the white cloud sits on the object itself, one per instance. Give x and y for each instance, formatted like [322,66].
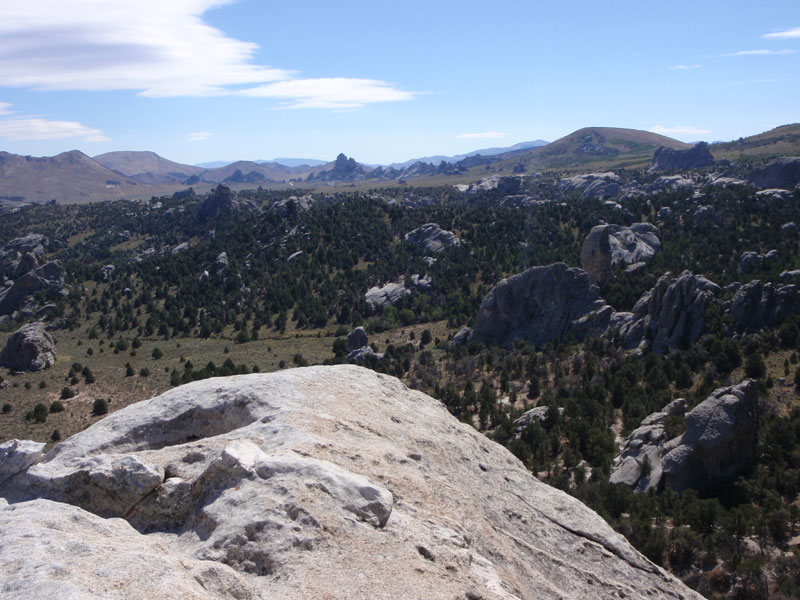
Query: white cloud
[760,52]
[783,34]
[5,108]
[332,92]
[35,128]
[683,67]
[198,136]
[679,130]
[486,135]
[159,48]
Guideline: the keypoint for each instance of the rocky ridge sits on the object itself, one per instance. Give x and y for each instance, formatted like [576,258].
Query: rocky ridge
[316,482]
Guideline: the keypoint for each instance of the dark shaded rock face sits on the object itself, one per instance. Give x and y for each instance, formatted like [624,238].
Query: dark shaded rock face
[667,159]
[782,172]
[596,255]
[49,277]
[757,305]
[356,339]
[431,238]
[31,348]
[538,305]
[719,443]
[671,315]
[222,201]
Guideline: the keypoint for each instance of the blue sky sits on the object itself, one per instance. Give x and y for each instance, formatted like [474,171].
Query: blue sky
[202,80]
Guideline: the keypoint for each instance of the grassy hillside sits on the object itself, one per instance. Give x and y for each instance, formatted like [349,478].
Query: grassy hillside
[781,141]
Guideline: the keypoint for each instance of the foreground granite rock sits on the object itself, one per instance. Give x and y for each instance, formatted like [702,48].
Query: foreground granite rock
[30,348]
[323,482]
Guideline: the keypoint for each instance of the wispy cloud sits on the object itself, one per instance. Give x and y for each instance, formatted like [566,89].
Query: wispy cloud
[35,128]
[5,109]
[198,136]
[683,67]
[760,52]
[333,92]
[679,130]
[485,135]
[156,48]
[783,34]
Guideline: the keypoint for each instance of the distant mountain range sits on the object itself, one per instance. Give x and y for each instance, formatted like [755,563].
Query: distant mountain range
[435,160]
[73,177]
[286,162]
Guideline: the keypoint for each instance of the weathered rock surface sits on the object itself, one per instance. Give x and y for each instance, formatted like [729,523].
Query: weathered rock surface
[608,245]
[356,339]
[749,262]
[388,294]
[706,214]
[18,455]
[668,159]
[593,185]
[781,173]
[324,482]
[30,348]
[22,254]
[61,551]
[718,443]
[537,305]
[431,238]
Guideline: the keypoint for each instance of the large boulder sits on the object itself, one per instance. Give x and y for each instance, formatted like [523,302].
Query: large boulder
[538,305]
[782,173]
[608,245]
[431,238]
[30,348]
[323,482]
[719,441]
[669,159]
[593,185]
[356,339]
[387,294]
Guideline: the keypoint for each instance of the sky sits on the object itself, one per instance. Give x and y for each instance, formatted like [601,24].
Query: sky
[206,80]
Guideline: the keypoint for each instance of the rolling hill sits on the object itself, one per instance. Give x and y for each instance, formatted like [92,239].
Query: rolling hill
[147,167]
[597,145]
[781,141]
[69,177]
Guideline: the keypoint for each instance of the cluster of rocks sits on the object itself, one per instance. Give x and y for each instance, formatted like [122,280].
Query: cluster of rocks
[718,443]
[431,238]
[750,261]
[23,272]
[609,245]
[308,483]
[30,348]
